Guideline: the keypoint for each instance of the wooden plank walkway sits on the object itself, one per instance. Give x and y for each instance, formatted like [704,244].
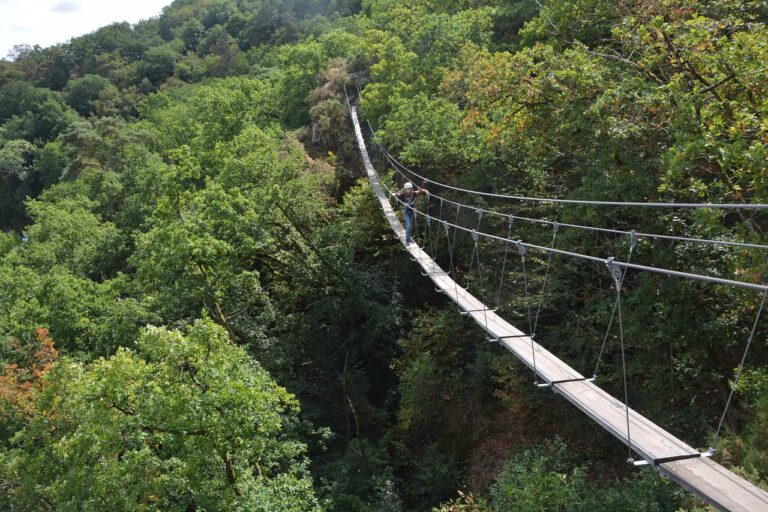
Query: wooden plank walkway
[702,476]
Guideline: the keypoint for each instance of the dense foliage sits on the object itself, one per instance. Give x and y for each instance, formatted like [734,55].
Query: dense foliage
[201,307]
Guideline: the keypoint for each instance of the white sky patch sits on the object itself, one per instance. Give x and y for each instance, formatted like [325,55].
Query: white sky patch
[66,7]
[48,22]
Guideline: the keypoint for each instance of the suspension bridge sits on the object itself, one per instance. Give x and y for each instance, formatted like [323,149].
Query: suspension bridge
[673,457]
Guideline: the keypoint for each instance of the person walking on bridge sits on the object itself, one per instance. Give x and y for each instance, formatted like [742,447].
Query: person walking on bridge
[408,197]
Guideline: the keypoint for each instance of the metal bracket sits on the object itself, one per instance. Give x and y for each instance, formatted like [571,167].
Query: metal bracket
[499,339]
[516,336]
[615,271]
[468,311]
[551,384]
[663,460]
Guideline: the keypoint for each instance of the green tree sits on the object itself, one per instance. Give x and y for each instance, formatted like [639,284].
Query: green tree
[68,233]
[158,63]
[31,113]
[191,33]
[17,180]
[92,94]
[186,421]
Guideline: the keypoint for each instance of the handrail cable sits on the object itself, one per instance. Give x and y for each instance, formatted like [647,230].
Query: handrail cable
[676,238]
[648,204]
[635,266]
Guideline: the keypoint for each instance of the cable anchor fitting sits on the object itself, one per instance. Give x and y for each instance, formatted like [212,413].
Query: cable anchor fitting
[615,271]
[521,249]
[475,235]
[632,239]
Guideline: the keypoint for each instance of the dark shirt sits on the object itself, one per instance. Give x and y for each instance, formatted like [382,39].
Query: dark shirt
[409,198]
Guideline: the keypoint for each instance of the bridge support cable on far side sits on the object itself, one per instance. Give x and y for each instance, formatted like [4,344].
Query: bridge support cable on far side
[585,202]
[623,264]
[396,166]
[638,234]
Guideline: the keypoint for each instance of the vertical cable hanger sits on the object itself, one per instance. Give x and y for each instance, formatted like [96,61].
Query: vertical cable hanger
[474,249]
[555,227]
[453,247]
[504,263]
[618,279]
[738,372]
[522,251]
[632,244]
[429,244]
[437,231]
[439,223]
[476,255]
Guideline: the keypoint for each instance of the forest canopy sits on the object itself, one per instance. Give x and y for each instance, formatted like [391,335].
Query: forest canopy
[202,308]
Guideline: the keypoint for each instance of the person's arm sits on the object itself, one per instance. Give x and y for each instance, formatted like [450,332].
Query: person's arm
[424,191]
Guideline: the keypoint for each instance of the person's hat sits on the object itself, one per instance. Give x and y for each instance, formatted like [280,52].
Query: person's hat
[409,185]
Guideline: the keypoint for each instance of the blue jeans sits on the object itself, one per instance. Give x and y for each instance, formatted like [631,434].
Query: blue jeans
[409,218]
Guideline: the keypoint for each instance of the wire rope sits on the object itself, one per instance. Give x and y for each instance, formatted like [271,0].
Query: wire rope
[504,263]
[657,270]
[740,368]
[726,243]
[521,249]
[618,277]
[632,244]
[546,276]
[550,200]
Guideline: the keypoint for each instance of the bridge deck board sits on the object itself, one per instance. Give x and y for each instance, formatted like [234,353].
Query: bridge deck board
[704,477]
